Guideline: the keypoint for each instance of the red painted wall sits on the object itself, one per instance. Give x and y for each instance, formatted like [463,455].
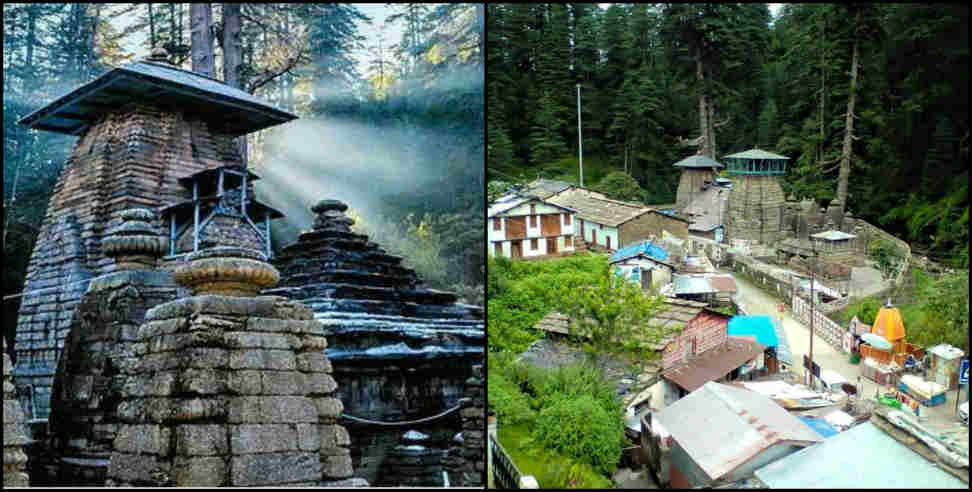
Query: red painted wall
[708,330]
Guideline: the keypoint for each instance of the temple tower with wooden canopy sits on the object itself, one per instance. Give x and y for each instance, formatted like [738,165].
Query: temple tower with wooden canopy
[697,170]
[146,132]
[756,200]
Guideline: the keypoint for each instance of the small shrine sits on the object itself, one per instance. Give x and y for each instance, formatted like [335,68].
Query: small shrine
[222,212]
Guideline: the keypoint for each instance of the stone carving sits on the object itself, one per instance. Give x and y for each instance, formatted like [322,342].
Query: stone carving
[134,243]
[229,389]
[14,437]
[400,351]
[226,271]
[413,462]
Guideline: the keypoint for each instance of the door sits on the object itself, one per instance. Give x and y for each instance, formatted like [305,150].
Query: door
[581,227]
[593,236]
[607,241]
[517,249]
[551,245]
[645,279]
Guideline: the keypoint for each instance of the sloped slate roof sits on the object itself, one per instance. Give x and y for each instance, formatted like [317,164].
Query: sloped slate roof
[544,188]
[756,154]
[235,111]
[595,207]
[721,427]
[702,161]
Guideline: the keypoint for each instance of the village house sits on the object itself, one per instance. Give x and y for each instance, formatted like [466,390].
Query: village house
[645,263]
[612,224]
[747,429]
[527,227]
[713,289]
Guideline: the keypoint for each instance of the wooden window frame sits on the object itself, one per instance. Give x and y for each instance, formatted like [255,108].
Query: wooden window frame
[497,224]
[533,221]
[534,244]
[566,219]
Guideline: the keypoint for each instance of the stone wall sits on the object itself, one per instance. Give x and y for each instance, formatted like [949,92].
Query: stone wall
[650,224]
[474,431]
[229,391]
[131,157]
[14,435]
[823,327]
[755,209]
[689,185]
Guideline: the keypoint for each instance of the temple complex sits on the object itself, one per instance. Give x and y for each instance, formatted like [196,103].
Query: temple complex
[400,351]
[698,173]
[756,200]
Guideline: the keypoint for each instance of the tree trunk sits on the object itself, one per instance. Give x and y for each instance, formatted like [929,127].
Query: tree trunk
[845,156]
[711,138]
[232,58]
[151,27]
[704,125]
[201,19]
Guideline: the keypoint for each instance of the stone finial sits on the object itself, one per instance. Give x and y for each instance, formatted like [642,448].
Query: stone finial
[330,216]
[159,54]
[135,243]
[236,272]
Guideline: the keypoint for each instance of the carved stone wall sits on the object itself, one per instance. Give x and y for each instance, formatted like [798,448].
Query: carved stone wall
[14,437]
[756,205]
[131,157]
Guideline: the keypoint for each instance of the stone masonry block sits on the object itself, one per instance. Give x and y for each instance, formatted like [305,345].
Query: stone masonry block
[308,437]
[199,472]
[271,409]
[313,361]
[143,439]
[329,407]
[281,325]
[201,381]
[236,339]
[129,467]
[282,383]
[244,382]
[319,384]
[274,469]
[334,436]
[278,360]
[262,438]
[337,467]
[201,440]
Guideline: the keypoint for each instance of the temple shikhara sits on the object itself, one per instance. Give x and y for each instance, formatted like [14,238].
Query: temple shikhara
[160,343]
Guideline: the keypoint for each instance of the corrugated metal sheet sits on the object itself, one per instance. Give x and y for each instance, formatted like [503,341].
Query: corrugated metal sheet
[723,283]
[755,154]
[760,326]
[685,284]
[702,161]
[713,363]
[860,457]
[720,427]
[235,111]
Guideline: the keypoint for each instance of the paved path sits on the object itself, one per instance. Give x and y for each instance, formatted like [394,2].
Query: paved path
[755,301]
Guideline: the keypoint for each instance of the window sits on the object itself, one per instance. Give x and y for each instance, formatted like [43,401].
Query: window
[533,221]
[496,223]
[533,245]
[566,219]
[600,226]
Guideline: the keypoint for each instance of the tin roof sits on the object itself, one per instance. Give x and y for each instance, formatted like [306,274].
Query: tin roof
[863,456]
[819,426]
[702,161]
[509,202]
[755,154]
[723,283]
[833,235]
[235,111]
[713,363]
[688,284]
[759,326]
[722,427]
[595,207]
[646,248]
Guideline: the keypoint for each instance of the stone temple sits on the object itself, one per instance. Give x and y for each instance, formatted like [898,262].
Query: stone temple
[400,351]
[756,201]
[153,349]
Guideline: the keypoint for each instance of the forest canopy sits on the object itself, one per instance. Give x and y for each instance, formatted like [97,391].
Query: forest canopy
[869,101]
[420,79]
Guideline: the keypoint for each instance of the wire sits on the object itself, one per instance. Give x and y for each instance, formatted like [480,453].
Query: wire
[408,422]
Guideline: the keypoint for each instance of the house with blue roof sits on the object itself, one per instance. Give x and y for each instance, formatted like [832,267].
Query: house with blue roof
[644,262]
[765,332]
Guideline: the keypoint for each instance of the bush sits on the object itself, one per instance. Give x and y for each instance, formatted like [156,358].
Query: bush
[582,429]
[620,186]
[506,401]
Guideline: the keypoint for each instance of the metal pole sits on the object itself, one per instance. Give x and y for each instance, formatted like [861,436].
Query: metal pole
[580,139]
[812,276]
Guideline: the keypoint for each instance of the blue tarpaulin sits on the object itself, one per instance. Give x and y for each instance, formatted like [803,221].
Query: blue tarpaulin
[822,427]
[646,248]
[759,326]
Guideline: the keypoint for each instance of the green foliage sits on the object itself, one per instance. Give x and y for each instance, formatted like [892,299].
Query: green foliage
[507,402]
[887,257]
[620,186]
[552,470]
[496,189]
[581,428]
